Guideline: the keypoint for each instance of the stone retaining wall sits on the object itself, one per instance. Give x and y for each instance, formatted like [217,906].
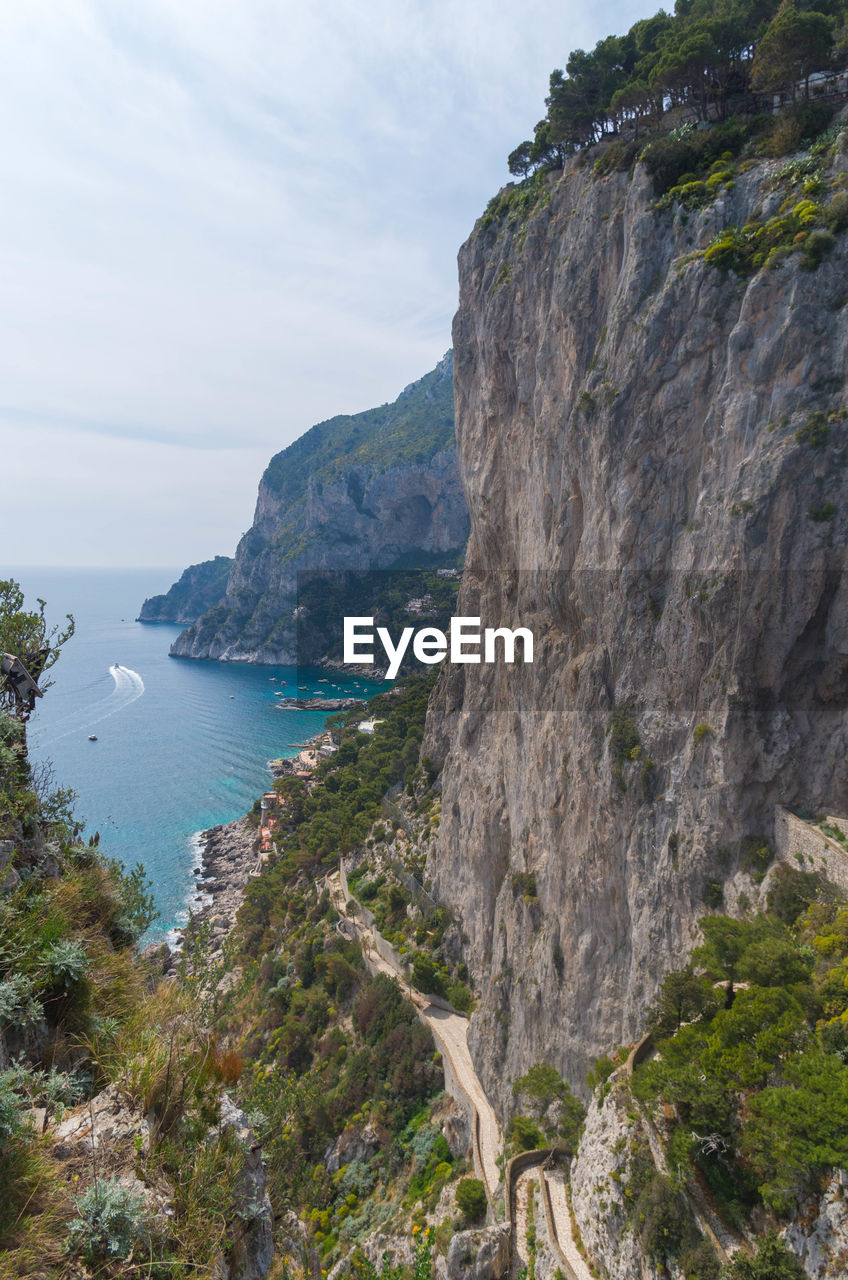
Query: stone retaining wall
[800,844]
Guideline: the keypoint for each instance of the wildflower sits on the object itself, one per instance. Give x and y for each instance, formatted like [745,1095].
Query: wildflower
[415,1230]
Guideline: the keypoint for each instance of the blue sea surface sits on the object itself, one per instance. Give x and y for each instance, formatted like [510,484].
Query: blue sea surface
[181,744]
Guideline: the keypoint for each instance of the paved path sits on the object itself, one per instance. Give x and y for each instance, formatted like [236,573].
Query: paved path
[523,1190]
[555,1179]
[450,1031]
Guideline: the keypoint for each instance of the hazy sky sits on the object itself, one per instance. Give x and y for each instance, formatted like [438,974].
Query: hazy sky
[223,222]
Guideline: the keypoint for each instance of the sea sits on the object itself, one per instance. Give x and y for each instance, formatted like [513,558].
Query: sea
[181,745]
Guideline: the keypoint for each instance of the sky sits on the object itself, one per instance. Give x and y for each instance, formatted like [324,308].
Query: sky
[225,220]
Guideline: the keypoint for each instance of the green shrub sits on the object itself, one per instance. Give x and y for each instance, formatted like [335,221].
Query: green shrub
[471,1198]
[815,432]
[624,736]
[460,997]
[66,962]
[686,153]
[701,1262]
[836,213]
[110,1222]
[664,1219]
[702,731]
[773,1261]
[426,975]
[601,1071]
[818,246]
[19,1006]
[684,996]
[525,1133]
[821,514]
[796,125]
[713,894]
[10,1109]
[524,885]
[618,156]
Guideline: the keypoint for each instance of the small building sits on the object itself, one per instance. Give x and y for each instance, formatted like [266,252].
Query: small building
[368,726]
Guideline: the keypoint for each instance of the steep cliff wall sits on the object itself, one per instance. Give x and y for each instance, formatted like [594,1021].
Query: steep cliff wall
[654,455]
[369,491]
[198,588]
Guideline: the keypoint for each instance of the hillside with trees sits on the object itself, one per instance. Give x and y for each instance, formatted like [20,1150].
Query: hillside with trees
[715,61]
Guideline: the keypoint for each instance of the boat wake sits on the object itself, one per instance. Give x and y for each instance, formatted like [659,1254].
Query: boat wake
[127,687]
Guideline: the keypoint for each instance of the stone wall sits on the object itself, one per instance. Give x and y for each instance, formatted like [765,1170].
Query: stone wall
[800,844]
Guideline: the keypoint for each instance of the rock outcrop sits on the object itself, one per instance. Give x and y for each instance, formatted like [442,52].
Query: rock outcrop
[818,1235]
[199,587]
[653,452]
[481,1254]
[601,1174]
[371,491]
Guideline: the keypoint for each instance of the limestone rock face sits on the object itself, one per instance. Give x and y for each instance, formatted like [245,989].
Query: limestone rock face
[478,1255]
[353,1144]
[819,1234]
[252,1231]
[600,1172]
[356,493]
[626,428]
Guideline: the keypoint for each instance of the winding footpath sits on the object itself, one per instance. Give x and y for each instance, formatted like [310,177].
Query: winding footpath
[450,1032]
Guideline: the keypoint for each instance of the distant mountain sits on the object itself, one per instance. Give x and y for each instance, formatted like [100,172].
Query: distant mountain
[372,490]
[199,588]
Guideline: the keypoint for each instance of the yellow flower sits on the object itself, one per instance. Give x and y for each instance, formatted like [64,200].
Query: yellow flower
[415,1230]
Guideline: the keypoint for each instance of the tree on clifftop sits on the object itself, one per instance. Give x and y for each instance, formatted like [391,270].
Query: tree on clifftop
[26,635]
[795,44]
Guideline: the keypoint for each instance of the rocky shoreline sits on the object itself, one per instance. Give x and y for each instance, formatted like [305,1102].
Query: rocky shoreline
[319,704]
[229,858]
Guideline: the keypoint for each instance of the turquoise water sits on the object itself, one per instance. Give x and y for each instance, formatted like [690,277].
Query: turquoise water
[181,745]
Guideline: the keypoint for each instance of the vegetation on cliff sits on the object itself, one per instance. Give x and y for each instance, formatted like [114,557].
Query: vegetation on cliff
[752,1050]
[395,598]
[342,1080]
[415,427]
[199,587]
[714,60]
[89,1030]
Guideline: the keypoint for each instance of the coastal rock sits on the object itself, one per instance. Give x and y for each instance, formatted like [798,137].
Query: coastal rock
[199,588]
[228,859]
[633,436]
[107,1126]
[355,493]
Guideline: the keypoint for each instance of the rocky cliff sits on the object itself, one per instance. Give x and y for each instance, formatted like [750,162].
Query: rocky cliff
[653,450]
[198,588]
[370,491]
